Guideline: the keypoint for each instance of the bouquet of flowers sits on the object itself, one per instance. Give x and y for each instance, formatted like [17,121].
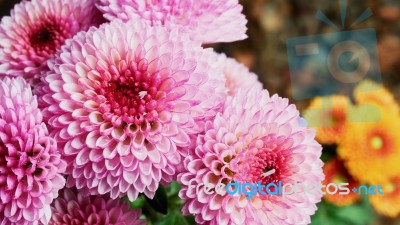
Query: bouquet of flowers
[361,148]
[103,103]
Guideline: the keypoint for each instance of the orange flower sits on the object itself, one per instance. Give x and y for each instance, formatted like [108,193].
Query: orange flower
[369,92]
[371,150]
[328,115]
[387,204]
[335,172]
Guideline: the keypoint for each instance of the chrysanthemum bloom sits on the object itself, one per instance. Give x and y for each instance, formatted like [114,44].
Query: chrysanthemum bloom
[254,134]
[336,173]
[387,204]
[73,208]
[45,219]
[122,102]
[237,75]
[30,165]
[37,28]
[209,21]
[328,115]
[369,92]
[371,150]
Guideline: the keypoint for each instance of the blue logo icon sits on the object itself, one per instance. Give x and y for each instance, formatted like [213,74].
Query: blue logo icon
[333,63]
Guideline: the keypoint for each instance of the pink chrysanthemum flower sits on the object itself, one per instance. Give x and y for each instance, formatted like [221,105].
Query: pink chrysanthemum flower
[73,208]
[122,101]
[209,21]
[37,28]
[238,76]
[30,165]
[255,134]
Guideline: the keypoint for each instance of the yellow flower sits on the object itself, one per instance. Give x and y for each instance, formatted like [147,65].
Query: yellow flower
[369,92]
[328,115]
[371,150]
[387,204]
[335,172]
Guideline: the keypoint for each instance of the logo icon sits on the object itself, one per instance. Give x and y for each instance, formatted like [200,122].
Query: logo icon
[334,63]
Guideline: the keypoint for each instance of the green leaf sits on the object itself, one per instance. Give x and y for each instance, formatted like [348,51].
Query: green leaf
[354,214]
[160,201]
[173,218]
[138,203]
[190,219]
[321,216]
[173,188]
[357,214]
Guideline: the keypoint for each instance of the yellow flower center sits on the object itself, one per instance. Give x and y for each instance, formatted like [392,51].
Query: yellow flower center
[334,121]
[390,188]
[376,143]
[338,178]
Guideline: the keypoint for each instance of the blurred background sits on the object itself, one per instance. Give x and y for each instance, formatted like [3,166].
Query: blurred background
[271,23]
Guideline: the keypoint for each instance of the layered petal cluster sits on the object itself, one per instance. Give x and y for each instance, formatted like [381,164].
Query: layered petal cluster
[73,208]
[30,165]
[387,204]
[238,75]
[37,28]
[329,116]
[336,173]
[122,101]
[369,92]
[209,21]
[255,133]
[370,150]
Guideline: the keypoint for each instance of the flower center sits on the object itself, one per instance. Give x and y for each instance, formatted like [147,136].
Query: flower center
[47,37]
[338,179]
[132,95]
[265,167]
[42,36]
[334,120]
[390,188]
[376,143]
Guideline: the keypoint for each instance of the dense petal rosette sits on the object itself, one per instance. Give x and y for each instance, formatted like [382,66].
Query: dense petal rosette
[369,92]
[209,21]
[122,102]
[336,173]
[30,165]
[254,134]
[37,28]
[238,76]
[370,150]
[386,202]
[73,208]
[329,115]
